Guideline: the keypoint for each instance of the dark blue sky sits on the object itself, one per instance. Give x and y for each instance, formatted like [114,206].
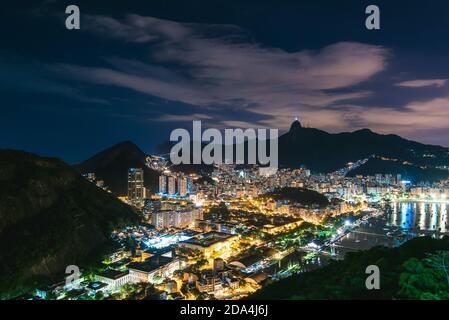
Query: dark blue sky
[138,69]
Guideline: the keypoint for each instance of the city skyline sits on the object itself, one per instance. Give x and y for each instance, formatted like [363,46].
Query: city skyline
[136,74]
[225,152]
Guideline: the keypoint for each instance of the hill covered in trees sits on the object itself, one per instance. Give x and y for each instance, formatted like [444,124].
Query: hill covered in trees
[321,151]
[408,171]
[416,270]
[111,166]
[298,195]
[50,217]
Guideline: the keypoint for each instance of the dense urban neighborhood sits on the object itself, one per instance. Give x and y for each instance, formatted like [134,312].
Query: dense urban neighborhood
[238,229]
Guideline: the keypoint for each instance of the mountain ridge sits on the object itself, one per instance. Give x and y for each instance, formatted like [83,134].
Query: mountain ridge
[313,148]
[111,165]
[325,152]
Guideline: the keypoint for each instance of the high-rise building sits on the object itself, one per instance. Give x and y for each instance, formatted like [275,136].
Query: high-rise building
[171,185]
[189,185]
[182,186]
[178,219]
[136,189]
[163,184]
[152,205]
[379,178]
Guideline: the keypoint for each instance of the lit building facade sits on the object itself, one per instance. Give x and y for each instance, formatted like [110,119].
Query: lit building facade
[163,184]
[182,186]
[177,219]
[136,189]
[211,244]
[155,266]
[171,185]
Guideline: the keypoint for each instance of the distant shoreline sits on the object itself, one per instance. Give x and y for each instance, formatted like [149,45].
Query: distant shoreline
[421,201]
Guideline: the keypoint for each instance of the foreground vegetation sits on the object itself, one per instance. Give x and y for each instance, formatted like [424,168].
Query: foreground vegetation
[416,270]
[50,217]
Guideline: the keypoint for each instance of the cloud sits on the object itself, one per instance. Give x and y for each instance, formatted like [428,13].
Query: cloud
[182,117]
[219,54]
[424,121]
[135,28]
[416,115]
[227,79]
[29,76]
[423,83]
[218,66]
[415,120]
[239,124]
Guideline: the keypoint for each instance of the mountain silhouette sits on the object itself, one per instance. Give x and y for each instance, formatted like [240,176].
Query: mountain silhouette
[315,149]
[321,151]
[408,171]
[111,165]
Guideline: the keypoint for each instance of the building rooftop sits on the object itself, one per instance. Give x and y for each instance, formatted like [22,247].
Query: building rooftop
[258,277]
[113,274]
[209,238]
[151,263]
[247,261]
[97,285]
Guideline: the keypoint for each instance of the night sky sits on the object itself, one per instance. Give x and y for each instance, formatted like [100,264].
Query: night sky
[138,69]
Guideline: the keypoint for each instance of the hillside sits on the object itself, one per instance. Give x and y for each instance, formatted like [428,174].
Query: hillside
[112,164]
[50,217]
[298,195]
[408,171]
[325,152]
[408,272]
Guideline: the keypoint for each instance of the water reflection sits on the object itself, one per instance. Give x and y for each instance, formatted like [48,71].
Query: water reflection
[401,222]
[429,217]
[443,219]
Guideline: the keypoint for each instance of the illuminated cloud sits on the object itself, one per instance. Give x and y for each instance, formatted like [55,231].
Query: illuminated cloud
[423,83]
[182,117]
[418,120]
[216,67]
